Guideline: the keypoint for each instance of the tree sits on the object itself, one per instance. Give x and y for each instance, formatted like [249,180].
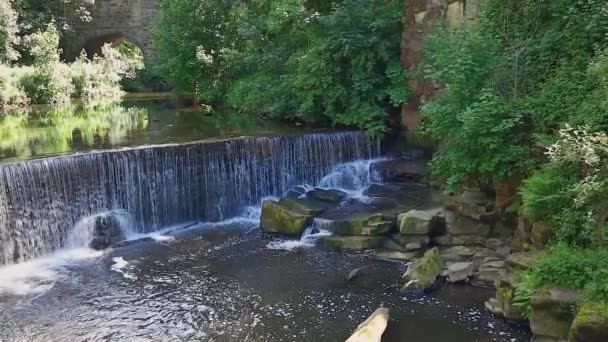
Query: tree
[193,39]
[8,32]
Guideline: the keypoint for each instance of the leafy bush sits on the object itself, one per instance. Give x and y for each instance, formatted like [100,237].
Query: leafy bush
[540,63]
[566,266]
[341,66]
[100,78]
[9,30]
[48,84]
[571,191]
[193,39]
[11,93]
[50,81]
[333,62]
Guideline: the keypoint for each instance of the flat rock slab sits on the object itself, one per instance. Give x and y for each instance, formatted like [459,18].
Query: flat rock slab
[460,271]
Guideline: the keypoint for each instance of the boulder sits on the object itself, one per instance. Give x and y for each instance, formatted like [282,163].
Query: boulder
[354,243]
[296,191]
[399,170]
[489,271]
[590,323]
[463,225]
[371,329]
[503,304]
[552,312]
[421,222]
[463,251]
[327,195]
[521,261]
[460,271]
[365,224]
[382,191]
[107,230]
[489,275]
[468,239]
[443,240]
[305,205]
[422,273]
[482,256]
[472,210]
[277,217]
[456,254]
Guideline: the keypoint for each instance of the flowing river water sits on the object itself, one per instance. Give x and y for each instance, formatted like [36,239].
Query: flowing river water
[196,266]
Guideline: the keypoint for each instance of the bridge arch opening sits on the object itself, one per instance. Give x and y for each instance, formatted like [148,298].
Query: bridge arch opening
[128,47]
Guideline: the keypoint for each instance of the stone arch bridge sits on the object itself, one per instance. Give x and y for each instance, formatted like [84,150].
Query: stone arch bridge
[113,21]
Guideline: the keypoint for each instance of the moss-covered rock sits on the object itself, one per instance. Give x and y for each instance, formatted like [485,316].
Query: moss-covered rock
[422,273]
[280,218]
[591,323]
[505,294]
[363,224]
[305,205]
[552,312]
[354,243]
[421,222]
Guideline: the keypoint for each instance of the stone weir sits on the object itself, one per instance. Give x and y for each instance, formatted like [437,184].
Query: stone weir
[160,185]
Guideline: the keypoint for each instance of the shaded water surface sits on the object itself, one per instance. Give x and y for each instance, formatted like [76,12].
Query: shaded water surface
[43,132]
[219,282]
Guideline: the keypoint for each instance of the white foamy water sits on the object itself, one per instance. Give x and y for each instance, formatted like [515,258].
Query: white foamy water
[83,231]
[308,239]
[36,276]
[120,265]
[352,177]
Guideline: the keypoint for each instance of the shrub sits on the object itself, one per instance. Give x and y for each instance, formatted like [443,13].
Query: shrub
[48,84]
[566,266]
[11,93]
[341,66]
[571,191]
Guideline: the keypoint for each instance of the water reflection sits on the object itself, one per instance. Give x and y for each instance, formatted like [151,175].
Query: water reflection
[42,131]
[37,132]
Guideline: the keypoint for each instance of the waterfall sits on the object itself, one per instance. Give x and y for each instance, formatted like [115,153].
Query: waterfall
[160,185]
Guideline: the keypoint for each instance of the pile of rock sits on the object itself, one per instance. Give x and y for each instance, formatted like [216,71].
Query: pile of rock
[360,224]
[506,283]
[469,218]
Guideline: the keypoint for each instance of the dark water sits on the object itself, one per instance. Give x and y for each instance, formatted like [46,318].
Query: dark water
[43,132]
[221,283]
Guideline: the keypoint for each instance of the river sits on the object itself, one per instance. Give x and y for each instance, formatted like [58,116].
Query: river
[187,188]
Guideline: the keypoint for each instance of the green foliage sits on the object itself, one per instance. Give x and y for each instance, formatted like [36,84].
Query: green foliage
[8,32]
[334,62]
[11,93]
[566,266]
[571,191]
[50,81]
[341,66]
[193,39]
[539,61]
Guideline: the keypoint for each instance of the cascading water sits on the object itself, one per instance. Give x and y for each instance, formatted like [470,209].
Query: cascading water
[41,200]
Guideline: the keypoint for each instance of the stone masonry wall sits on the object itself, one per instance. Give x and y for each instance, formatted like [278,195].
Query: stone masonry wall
[113,20]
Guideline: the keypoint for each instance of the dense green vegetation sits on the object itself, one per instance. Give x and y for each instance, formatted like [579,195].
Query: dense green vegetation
[524,93]
[31,71]
[334,62]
